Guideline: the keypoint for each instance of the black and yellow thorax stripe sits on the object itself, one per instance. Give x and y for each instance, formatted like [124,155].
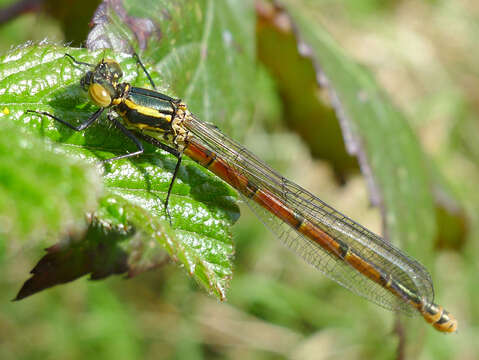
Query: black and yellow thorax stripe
[145,109]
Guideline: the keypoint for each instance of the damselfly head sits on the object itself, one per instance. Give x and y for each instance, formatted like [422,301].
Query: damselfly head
[101,82]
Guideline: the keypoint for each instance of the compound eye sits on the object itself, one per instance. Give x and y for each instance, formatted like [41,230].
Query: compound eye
[99,95]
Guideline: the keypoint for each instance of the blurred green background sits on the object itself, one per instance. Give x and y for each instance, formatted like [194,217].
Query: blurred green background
[424,54]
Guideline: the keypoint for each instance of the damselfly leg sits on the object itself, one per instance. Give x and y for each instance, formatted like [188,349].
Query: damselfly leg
[159,144]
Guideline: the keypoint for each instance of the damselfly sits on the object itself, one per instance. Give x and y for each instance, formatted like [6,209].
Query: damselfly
[340,248]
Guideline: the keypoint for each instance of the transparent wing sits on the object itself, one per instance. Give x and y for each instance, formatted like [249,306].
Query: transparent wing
[368,245]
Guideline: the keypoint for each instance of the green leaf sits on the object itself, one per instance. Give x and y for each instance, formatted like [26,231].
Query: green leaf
[111,248]
[42,194]
[307,110]
[202,207]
